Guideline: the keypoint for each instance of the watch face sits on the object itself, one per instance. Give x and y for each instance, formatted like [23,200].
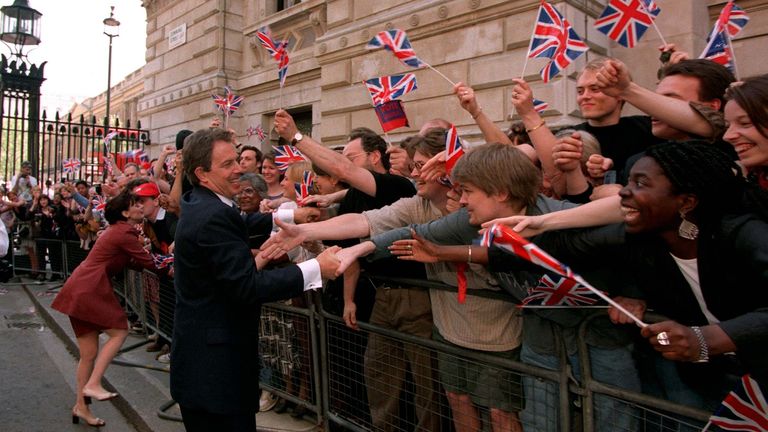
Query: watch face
[298,136]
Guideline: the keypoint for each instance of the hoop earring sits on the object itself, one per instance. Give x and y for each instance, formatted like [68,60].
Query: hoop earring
[687,230]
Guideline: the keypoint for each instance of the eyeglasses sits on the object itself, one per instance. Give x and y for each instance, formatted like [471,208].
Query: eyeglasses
[354,156]
[417,166]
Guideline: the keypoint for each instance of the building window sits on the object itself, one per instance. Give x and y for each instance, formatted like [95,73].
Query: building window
[285,4]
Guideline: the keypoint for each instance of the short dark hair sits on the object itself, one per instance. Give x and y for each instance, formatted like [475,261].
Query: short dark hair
[181,136]
[371,141]
[752,97]
[198,150]
[259,154]
[82,182]
[113,211]
[430,144]
[714,78]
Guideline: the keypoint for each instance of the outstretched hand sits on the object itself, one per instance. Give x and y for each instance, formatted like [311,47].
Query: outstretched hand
[467,99]
[416,249]
[284,125]
[434,169]
[329,262]
[287,238]
[526,226]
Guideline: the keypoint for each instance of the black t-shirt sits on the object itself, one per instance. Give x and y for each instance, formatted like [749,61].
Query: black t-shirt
[631,135]
[165,230]
[389,188]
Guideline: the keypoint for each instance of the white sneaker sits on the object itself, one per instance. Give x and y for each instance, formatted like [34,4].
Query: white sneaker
[165,358]
[153,337]
[267,401]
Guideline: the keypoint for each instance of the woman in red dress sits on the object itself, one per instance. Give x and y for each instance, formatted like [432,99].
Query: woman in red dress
[89,300]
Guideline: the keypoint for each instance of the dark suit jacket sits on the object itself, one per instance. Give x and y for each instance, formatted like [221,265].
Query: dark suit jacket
[219,292]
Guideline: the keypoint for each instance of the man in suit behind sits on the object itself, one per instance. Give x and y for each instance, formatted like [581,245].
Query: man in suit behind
[219,292]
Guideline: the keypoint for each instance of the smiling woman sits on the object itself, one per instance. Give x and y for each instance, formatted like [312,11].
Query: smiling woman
[747,115]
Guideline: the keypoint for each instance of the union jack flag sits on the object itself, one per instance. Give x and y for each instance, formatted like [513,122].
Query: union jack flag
[718,50]
[286,155]
[733,18]
[303,189]
[387,88]
[744,409]
[651,7]
[99,203]
[251,131]
[162,261]
[277,50]
[624,21]
[108,139]
[229,103]
[260,132]
[397,42]
[539,105]
[71,165]
[555,39]
[564,292]
[453,149]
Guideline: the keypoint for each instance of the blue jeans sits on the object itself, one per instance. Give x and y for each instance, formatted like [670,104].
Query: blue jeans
[610,366]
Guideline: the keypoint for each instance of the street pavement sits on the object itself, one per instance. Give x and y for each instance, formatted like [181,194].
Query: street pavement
[37,374]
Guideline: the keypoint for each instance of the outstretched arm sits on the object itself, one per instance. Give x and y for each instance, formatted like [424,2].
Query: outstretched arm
[613,79]
[330,161]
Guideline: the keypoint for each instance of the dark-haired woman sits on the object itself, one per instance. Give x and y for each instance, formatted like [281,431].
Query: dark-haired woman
[747,115]
[702,259]
[89,300]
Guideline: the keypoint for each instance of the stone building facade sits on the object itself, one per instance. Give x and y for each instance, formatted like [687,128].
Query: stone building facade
[195,47]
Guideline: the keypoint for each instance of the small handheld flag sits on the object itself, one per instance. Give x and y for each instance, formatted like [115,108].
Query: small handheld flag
[396,41]
[387,88]
[539,105]
[286,155]
[555,39]
[559,291]
[303,189]
[162,261]
[71,165]
[277,50]
[743,409]
[229,103]
[625,21]
[511,242]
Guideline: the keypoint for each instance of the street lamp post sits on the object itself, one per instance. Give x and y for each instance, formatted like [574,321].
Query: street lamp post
[112,30]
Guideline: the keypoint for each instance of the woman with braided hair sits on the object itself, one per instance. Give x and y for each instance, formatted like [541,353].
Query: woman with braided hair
[701,257]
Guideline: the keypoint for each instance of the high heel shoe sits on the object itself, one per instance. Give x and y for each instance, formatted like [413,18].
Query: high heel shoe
[92,421]
[99,397]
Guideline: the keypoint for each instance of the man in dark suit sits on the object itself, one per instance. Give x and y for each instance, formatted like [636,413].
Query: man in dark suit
[219,292]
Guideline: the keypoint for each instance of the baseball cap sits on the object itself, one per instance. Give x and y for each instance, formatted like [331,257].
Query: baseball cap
[147,190]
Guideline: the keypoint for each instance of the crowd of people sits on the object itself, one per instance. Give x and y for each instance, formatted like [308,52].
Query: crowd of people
[665,212]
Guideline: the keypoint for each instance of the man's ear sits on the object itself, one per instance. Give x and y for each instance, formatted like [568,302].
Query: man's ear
[202,176]
[716,104]
[375,157]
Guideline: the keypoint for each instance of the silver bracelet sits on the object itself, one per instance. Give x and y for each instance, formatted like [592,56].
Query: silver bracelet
[469,254]
[703,347]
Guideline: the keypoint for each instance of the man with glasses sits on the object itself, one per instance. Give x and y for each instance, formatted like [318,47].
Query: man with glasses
[364,166]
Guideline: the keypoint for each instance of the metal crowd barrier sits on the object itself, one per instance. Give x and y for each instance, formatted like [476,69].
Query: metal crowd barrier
[57,258]
[311,358]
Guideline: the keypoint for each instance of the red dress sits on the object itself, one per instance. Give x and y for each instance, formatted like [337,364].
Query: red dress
[88,295]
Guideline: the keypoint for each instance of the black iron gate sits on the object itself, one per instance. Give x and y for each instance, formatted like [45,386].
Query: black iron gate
[25,135]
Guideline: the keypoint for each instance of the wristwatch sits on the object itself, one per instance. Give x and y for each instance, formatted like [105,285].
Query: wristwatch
[296,138]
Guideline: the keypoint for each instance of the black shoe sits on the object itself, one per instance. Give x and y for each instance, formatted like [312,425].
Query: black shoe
[54,278]
[299,412]
[281,407]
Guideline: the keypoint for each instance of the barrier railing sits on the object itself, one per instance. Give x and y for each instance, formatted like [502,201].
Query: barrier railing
[375,378]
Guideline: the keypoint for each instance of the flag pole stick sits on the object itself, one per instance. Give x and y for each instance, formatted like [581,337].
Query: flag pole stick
[281,97]
[658,32]
[439,73]
[610,301]
[389,141]
[706,426]
[733,52]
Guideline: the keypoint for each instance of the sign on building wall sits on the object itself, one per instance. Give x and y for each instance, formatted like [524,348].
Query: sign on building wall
[177,36]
